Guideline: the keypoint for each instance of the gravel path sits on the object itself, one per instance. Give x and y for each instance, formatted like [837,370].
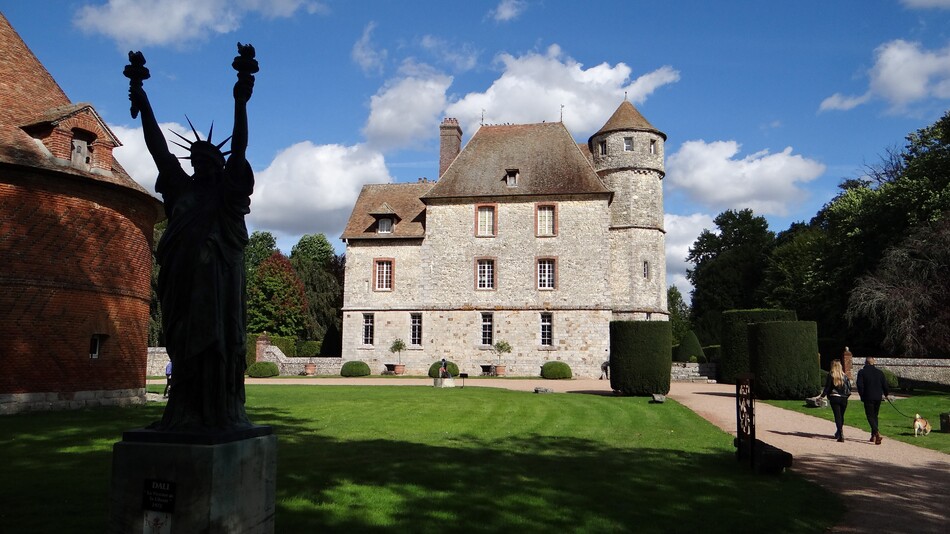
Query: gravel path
[892,487]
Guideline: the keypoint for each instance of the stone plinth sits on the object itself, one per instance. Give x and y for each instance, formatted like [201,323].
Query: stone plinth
[443,382]
[194,484]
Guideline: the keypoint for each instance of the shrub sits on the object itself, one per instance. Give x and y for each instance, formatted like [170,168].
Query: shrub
[893,382]
[689,349]
[734,356]
[784,358]
[332,345]
[712,353]
[287,345]
[250,353]
[449,366]
[262,370]
[640,357]
[354,368]
[308,349]
[555,370]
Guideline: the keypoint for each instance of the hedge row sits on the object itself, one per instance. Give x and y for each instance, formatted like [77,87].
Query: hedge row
[785,359]
[640,357]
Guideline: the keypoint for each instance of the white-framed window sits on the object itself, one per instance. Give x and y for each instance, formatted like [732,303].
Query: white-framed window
[415,329]
[511,177]
[646,269]
[628,144]
[385,226]
[547,220]
[383,274]
[368,328]
[485,220]
[547,273]
[603,148]
[485,273]
[547,329]
[652,146]
[488,327]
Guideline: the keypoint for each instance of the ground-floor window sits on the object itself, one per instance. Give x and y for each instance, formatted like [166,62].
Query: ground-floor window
[487,329]
[547,329]
[368,328]
[415,329]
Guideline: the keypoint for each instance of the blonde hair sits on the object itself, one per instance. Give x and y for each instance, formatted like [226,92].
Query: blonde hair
[837,372]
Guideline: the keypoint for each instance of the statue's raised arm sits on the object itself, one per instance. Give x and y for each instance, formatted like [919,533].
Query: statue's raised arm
[246,66]
[136,72]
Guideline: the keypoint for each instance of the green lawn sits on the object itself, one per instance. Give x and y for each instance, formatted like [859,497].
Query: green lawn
[929,404]
[421,459]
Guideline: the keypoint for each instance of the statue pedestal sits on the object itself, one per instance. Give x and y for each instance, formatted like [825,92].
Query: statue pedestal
[179,482]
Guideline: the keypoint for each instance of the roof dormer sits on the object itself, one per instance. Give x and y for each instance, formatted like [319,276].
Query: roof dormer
[75,136]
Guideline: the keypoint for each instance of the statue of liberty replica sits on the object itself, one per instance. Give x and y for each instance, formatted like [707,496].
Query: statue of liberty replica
[201,283]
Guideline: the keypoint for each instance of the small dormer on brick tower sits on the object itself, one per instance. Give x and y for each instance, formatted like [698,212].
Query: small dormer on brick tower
[628,156]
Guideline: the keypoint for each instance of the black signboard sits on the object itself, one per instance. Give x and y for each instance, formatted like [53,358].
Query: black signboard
[158,495]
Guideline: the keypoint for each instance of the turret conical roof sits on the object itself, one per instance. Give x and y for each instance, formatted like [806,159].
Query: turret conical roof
[627,117]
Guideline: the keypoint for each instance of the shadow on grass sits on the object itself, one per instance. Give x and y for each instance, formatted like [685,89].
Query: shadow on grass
[525,483]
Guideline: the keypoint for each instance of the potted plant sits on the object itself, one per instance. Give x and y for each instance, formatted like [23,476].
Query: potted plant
[310,368]
[499,348]
[397,347]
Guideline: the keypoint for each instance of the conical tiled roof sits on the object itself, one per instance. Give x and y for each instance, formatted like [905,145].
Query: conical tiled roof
[31,100]
[627,117]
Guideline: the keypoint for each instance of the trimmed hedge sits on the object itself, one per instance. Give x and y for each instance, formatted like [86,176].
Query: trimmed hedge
[713,353]
[555,370]
[688,348]
[734,356]
[332,345]
[449,366]
[784,359]
[308,349]
[287,345]
[354,368]
[640,357]
[262,370]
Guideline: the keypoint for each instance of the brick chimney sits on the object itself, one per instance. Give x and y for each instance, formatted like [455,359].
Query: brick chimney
[450,143]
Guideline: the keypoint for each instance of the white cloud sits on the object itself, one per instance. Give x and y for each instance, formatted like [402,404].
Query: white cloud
[366,55]
[681,233]
[311,188]
[508,10]
[162,22]
[903,74]
[406,110]
[841,102]
[461,58]
[533,87]
[710,174]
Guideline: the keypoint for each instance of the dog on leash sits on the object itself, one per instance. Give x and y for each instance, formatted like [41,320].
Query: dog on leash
[921,426]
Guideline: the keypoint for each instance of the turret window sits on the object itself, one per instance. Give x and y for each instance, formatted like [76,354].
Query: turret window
[646,269]
[603,148]
[628,144]
[652,146]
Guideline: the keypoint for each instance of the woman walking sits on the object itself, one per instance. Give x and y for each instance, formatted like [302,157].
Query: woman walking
[837,389]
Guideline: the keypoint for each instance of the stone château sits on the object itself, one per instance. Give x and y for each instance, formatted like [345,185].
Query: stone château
[526,237]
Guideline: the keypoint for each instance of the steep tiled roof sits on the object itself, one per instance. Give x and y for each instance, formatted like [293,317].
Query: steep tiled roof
[29,99]
[628,118]
[545,155]
[400,200]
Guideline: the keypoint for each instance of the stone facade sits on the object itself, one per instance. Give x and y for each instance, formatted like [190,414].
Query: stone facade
[421,276]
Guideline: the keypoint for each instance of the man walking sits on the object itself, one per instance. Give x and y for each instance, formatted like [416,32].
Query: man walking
[168,378]
[872,387]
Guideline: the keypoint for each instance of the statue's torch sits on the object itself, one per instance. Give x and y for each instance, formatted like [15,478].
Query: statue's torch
[245,64]
[136,71]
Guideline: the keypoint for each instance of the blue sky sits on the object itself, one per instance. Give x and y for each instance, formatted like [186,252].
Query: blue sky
[766,105]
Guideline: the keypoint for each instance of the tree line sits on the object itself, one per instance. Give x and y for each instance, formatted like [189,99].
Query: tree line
[300,296]
[871,267]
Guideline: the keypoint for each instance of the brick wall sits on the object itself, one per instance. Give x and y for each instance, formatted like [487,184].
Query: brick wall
[77,263]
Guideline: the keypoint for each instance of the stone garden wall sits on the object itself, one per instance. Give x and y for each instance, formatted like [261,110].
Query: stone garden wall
[918,369]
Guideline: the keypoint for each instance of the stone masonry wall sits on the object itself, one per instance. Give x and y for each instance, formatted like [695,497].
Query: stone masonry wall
[922,369]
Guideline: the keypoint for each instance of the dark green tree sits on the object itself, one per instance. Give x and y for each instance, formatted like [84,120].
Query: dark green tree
[313,247]
[260,246]
[679,314]
[317,266]
[276,302]
[728,269]
[155,336]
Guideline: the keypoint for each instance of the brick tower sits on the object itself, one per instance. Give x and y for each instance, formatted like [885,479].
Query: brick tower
[75,245]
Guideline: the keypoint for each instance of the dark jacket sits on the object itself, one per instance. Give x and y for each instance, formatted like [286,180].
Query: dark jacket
[872,384]
[831,390]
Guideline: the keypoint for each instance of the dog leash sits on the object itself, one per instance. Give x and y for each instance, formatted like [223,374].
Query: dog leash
[898,411]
